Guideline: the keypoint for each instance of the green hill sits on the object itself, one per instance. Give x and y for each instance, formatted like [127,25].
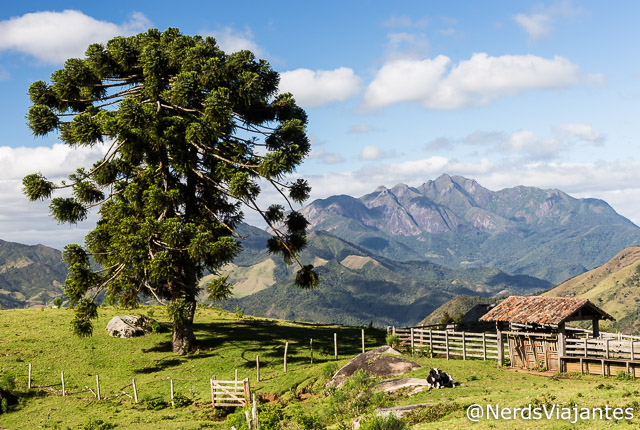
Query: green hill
[614,287]
[29,275]
[358,287]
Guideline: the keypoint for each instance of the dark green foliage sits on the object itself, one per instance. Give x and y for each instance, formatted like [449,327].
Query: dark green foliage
[154,403]
[191,131]
[180,400]
[98,425]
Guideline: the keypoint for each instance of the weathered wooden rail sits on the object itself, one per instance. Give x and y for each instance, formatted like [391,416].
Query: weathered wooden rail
[449,343]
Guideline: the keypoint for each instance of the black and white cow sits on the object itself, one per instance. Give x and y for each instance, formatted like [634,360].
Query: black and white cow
[439,379]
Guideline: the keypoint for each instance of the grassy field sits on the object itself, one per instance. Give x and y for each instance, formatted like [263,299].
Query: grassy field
[229,342]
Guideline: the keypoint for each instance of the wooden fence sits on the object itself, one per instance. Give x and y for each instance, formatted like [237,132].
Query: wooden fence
[229,393]
[449,343]
[607,348]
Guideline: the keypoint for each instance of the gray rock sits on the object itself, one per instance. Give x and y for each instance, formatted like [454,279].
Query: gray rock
[382,361]
[127,326]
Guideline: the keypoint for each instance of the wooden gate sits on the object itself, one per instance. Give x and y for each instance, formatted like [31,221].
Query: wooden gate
[530,351]
[229,393]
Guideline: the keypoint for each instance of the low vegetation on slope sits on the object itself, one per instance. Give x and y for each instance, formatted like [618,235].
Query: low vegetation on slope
[614,287]
[287,401]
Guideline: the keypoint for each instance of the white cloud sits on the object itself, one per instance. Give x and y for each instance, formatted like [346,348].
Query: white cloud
[436,84]
[581,132]
[53,37]
[539,23]
[407,45]
[325,157]
[231,40]
[374,152]
[362,128]
[316,88]
[371,152]
[29,222]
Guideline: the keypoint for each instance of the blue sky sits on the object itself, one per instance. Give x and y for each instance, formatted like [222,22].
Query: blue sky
[509,93]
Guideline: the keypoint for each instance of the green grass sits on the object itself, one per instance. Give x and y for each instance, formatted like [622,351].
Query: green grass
[228,343]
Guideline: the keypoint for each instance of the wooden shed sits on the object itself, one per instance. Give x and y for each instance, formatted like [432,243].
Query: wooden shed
[535,327]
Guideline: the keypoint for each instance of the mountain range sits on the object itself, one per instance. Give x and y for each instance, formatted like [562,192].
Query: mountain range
[393,256]
[456,222]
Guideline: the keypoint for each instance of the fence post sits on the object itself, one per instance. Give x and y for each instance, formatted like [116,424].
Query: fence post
[464,348]
[254,414]
[500,344]
[62,377]
[258,368]
[484,346]
[394,330]
[632,356]
[608,339]
[29,382]
[247,389]
[431,343]
[311,345]
[585,346]
[446,342]
[411,340]
[335,346]
[213,392]
[98,386]
[135,390]
[422,337]
[172,405]
[363,341]
[286,347]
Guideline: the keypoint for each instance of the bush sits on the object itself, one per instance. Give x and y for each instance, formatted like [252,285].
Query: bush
[329,369]
[393,340]
[154,403]
[390,422]
[180,400]
[356,397]
[307,421]
[57,302]
[98,425]
[269,415]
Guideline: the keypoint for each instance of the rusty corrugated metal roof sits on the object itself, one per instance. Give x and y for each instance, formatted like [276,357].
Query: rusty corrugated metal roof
[543,310]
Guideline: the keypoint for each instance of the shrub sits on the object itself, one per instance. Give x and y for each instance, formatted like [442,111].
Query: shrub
[180,400]
[57,302]
[98,425]
[393,340]
[154,403]
[356,397]
[329,369]
[390,422]
[429,414]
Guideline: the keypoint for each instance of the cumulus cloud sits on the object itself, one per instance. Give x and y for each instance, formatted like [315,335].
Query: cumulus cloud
[231,40]
[316,88]
[437,84]
[53,37]
[26,222]
[581,132]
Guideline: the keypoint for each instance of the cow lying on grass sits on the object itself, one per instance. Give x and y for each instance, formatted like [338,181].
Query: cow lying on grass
[439,379]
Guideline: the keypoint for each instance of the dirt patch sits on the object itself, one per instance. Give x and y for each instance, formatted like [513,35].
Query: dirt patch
[382,361]
[268,397]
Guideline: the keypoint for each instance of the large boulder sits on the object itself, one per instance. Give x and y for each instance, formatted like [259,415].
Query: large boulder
[382,361]
[127,326]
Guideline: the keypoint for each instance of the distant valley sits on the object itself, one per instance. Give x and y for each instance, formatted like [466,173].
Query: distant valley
[395,255]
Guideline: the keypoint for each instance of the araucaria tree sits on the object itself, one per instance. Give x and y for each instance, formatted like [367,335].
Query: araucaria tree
[191,134]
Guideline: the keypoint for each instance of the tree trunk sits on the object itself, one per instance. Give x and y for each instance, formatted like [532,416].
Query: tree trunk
[183,339]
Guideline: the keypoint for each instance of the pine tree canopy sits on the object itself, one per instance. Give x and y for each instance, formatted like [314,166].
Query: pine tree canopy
[192,134]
